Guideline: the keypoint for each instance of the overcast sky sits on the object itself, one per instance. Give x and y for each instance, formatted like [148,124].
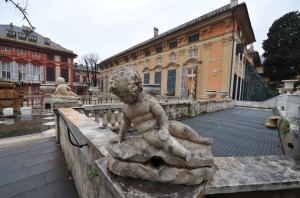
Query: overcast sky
[107,27]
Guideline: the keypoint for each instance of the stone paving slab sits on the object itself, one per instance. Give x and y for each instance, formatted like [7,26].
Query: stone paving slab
[34,167]
[238,132]
[49,118]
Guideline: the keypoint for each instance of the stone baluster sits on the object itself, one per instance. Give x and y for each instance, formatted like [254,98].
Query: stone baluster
[105,120]
[120,117]
[113,119]
[96,112]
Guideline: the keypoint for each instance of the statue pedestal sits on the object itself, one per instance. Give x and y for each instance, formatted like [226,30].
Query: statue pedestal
[112,185]
[64,102]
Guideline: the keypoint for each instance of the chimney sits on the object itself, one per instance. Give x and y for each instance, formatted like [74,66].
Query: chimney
[233,3]
[155,32]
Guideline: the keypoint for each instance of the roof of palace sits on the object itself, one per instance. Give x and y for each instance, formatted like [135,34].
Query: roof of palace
[197,20]
[27,31]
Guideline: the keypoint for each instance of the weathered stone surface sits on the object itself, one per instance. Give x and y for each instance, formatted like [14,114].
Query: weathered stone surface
[162,173]
[136,149]
[250,174]
[115,186]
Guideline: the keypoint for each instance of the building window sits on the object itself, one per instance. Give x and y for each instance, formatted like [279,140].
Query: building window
[21,51]
[171,82]
[36,89]
[47,41]
[36,73]
[159,61]
[147,53]
[11,34]
[50,74]
[193,53]
[158,49]
[4,48]
[157,78]
[22,72]
[32,38]
[147,63]
[36,54]
[193,38]
[134,56]
[146,78]
[65,74]
[172,58]
[22,36]
[64,59]
[5,70]
[50,56]
[173,44]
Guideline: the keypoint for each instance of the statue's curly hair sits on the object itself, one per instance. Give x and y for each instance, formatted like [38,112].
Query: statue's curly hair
[126,74]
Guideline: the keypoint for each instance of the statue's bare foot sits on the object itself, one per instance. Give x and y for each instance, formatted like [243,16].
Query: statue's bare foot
[114,141]
[206,141]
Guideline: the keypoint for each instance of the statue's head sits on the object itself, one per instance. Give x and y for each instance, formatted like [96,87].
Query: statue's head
[60,80]
[125,83]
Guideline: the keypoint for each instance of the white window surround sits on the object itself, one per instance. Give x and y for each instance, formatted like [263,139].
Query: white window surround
[21,51]
[147,63]
[172,57]
[159,60]
[36,54]
[4,48]
[193,53]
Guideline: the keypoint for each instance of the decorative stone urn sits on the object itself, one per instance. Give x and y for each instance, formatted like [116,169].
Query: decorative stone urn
[210,93]
[94,90]
[289,85]
[223,94]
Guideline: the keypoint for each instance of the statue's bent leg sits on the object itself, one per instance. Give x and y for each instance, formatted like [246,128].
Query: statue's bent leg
[182,131]
[171,145]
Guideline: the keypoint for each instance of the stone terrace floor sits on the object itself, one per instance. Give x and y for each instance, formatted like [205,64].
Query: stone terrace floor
[238,132]
[35,170]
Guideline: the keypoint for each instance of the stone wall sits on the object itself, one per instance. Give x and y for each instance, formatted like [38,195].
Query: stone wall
[81,161]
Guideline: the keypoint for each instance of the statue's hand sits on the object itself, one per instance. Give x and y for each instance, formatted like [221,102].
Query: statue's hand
[163,135]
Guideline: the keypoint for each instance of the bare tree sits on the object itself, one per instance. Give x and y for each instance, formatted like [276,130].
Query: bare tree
[22,9]
[90,62]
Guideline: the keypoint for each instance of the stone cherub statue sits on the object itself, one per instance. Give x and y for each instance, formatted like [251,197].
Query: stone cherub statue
[63,90]
[149,117]
[169,141]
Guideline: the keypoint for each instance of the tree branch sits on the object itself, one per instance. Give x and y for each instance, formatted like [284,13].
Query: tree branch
[22,10]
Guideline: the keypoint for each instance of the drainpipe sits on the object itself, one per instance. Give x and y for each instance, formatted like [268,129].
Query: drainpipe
[233,55]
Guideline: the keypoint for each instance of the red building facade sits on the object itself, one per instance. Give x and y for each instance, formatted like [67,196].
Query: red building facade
[32,60]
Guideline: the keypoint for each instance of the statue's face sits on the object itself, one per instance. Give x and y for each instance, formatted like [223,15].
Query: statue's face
[125,94]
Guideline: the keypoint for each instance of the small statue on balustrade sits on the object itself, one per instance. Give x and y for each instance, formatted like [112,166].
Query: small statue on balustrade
[63,90]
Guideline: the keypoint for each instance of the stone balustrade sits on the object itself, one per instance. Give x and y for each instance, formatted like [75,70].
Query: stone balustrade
[268,176]
[108,115]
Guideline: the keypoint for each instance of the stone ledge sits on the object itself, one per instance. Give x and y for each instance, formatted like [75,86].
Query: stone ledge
[250,174]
